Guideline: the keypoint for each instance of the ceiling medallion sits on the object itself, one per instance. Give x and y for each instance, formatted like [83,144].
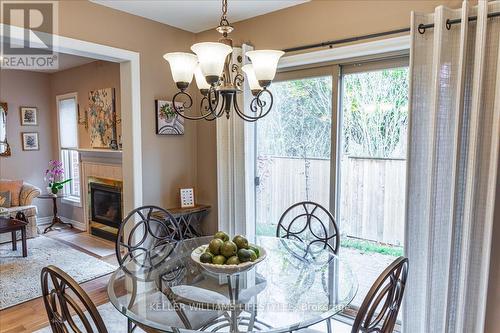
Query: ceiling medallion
[220,80]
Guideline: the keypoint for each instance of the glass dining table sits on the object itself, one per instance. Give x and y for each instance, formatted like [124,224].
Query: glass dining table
[295,286]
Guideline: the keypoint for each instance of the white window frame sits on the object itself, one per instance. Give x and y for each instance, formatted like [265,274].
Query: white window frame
[71,199]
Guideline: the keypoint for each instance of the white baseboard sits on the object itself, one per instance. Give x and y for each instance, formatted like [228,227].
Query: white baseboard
[40,221]
[43,220]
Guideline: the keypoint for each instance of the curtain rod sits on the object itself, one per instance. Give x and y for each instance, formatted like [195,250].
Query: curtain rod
[449,23]
[421,29]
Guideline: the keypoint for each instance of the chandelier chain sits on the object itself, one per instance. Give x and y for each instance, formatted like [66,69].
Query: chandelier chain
[223,20]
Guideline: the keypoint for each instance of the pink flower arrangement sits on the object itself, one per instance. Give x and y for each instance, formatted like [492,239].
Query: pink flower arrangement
[55,171]
[54,175]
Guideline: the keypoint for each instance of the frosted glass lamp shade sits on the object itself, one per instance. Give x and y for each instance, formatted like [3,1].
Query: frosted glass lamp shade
[212,57]
[251,78]
[200,79]
[265,63]
[182,66]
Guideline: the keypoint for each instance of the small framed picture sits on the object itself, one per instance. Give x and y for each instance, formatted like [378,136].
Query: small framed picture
[167,121]
[30,141]
[187,197]
[29,116]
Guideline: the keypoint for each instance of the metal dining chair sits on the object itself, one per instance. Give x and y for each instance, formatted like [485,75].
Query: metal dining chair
[60,304]
[142,230]
[379,310]
[310,223]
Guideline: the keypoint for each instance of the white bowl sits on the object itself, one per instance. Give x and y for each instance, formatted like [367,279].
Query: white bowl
[226,269]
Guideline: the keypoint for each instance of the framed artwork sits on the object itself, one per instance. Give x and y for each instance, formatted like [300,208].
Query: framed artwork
[187,197]
[30,141]
[102,118]
[29,116]
[167,121]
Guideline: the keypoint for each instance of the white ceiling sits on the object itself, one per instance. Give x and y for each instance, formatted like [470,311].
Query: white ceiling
[197,15]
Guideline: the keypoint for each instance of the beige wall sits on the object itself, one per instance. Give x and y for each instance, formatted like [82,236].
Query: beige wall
[82,80]
[20,88]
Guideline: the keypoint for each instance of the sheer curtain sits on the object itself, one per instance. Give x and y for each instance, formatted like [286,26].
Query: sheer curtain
[452,167]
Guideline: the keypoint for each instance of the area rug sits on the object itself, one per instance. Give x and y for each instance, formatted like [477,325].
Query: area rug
[20,277]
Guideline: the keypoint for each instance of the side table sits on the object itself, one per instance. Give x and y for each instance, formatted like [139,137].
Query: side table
[189,219]
[55,219]
[8,224]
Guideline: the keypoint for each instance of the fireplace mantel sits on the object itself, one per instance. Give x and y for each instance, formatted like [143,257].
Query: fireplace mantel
[107,156]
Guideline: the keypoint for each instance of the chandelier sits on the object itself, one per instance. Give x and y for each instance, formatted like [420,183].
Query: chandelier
[220,80]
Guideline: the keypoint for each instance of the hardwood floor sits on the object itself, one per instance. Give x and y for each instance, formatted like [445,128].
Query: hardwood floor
[30,316]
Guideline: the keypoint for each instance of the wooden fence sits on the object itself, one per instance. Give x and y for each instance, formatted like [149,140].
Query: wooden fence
[372,193]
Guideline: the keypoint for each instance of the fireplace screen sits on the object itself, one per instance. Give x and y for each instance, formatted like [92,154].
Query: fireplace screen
[106,204]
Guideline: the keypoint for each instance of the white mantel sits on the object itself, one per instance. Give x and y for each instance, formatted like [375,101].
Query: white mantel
[105,156]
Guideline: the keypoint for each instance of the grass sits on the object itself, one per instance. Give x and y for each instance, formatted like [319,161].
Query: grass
[364,246]
[371,247]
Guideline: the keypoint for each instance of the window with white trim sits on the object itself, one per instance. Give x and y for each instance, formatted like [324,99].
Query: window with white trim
[67,116]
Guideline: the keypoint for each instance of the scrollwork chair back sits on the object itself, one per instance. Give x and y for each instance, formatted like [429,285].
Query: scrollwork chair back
[60,305]
[379,311]
[310,223]
[150,227]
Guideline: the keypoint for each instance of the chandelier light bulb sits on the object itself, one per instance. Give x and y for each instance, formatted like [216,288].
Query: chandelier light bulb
[212,56]
[182,66]
[265,63]
[251,78]
[202,84]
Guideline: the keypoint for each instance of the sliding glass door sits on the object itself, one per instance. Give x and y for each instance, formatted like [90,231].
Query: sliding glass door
[294,146]
[372,166]
[337,136]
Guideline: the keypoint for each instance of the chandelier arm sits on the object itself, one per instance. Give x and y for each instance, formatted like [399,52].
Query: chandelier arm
[209,115]
[246,117]
[258,106]
[186,105]
[216,100]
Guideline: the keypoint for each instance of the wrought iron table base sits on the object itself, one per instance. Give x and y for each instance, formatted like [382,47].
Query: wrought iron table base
[56,219]
[234,318]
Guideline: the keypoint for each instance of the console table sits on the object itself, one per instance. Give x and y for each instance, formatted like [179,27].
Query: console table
[189,219]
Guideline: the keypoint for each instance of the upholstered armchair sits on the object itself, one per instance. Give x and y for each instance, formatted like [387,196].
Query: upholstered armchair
[26,195]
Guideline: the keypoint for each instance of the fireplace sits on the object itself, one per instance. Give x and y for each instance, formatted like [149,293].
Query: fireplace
[105,208]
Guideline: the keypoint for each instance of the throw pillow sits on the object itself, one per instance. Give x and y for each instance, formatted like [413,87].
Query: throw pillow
[14,187]
[5,199]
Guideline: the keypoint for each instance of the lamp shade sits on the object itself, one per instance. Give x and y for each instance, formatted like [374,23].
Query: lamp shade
[182,66]
[212,57]
[251,78]
[265,63]
[200,79]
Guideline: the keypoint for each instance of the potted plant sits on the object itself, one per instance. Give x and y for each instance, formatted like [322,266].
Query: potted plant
[54,177]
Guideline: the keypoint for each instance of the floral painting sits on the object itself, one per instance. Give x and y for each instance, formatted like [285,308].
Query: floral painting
[29,116]
[167,121]
[102,117]
[30,141]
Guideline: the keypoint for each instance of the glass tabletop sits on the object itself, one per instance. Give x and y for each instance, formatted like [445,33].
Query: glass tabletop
[294,287]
